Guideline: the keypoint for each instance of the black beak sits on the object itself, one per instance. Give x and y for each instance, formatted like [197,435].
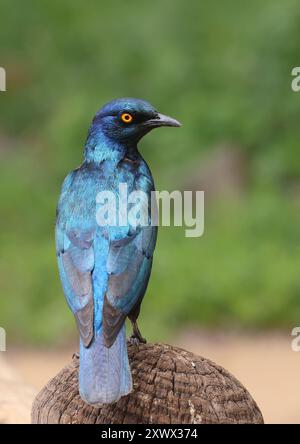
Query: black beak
[162,120]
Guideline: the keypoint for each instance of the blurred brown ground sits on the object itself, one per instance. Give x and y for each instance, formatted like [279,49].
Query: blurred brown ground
[264,363]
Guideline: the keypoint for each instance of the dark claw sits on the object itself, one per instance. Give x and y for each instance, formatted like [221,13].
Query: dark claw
[142,340]
[136,340]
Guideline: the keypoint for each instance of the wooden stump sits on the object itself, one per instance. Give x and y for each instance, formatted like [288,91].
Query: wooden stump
[171,386]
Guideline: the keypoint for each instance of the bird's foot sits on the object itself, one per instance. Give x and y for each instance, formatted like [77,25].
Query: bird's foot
[137,340]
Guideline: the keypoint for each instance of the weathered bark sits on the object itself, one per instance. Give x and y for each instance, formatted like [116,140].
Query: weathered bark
[170,386]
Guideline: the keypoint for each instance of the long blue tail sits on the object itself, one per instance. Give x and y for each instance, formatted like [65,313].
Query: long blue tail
[104,373]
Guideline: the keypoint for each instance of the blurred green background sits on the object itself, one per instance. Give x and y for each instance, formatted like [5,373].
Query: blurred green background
[224,70]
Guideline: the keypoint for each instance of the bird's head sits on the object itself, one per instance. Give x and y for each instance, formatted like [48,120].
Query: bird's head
[127,120]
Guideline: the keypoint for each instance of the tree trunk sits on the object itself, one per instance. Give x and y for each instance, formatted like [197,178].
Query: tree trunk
[171,386]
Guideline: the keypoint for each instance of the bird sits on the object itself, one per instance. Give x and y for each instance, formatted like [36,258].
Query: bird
[104,270]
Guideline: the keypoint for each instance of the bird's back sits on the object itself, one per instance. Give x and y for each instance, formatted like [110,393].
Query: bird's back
[77,204]
[77,210]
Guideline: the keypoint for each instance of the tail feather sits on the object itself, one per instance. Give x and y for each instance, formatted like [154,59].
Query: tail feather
[104,373]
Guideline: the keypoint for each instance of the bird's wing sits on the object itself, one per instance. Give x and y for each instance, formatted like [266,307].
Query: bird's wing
[128,267]
[76,262]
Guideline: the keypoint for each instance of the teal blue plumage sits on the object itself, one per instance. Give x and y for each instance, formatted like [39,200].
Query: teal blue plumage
[105,270]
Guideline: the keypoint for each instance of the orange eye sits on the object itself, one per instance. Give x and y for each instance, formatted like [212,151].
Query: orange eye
[126,118]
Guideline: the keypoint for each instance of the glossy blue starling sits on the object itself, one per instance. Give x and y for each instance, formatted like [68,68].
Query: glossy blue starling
[105,270]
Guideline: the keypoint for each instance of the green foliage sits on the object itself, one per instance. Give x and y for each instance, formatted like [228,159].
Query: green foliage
[224,70]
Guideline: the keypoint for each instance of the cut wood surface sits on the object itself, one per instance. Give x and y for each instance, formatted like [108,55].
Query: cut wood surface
[171,385]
